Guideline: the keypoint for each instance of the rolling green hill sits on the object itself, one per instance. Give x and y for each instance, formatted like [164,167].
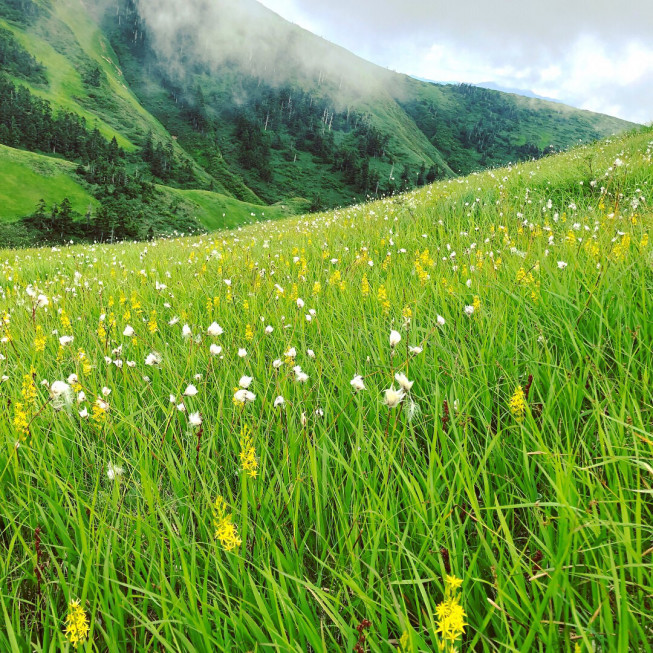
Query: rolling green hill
[248,109]
[38,177]
[420,418]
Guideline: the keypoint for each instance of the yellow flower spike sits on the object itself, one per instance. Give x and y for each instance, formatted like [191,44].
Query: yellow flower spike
[21,421]
[39,340]
[518,404]
[382,296]
[248,460]
[76,624]
[249,333]
[452,583]
[365,286]
[225,530]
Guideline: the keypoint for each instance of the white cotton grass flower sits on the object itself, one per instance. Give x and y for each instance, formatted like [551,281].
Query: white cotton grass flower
[393,397]
[61,395]
[42,301]
[153,359]
[291,353]
[413,410]
[64,341]
[195,420]
[186,331]
[114,472]
[440,320]
[244,396]
[83,413]
[128,332]
[215,330]
[101,404]
[562,265]
[173,321]
[277,363]
[81,397]
[106,391]
[395,338]
[190,391]
[300,376]
[357,383]
[415,350]
[310,353]
[215,350]
[269,329]
[242,352]
[245,381]
[403,381]
[73,379]
[279,401]
[469,310]
[300,303]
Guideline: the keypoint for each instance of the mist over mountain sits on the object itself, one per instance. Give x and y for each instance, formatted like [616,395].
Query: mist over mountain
[212,35]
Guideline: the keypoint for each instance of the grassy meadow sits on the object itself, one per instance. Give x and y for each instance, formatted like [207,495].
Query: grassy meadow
[300,435]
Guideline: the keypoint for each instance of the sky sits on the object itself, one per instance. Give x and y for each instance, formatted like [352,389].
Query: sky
[592,54]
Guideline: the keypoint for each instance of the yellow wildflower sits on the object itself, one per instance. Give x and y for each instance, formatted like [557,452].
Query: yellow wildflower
[382,295]
[39,340]
[21,421]
[249,333]
[248,461]
[76,624]
[365,286]
[450,615]
[225,529]
[518,404]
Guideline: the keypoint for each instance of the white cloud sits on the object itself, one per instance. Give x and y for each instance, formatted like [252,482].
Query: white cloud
[598,57]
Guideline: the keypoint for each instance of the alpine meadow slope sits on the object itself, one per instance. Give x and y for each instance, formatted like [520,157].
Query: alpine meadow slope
[150,102]
[417,424]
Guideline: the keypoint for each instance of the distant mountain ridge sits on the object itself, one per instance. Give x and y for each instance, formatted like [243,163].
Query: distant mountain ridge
[229,99]
[495,86]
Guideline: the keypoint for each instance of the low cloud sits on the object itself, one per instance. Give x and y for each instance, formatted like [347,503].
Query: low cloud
[597,56]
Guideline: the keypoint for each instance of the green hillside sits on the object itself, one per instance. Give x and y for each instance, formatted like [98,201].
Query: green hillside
[51,181]
[27,178]
[295,121]
[415,425]
[336,130]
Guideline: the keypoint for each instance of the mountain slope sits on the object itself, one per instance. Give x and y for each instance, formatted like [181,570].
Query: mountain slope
[503,443]
[222,62]
[229,98]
